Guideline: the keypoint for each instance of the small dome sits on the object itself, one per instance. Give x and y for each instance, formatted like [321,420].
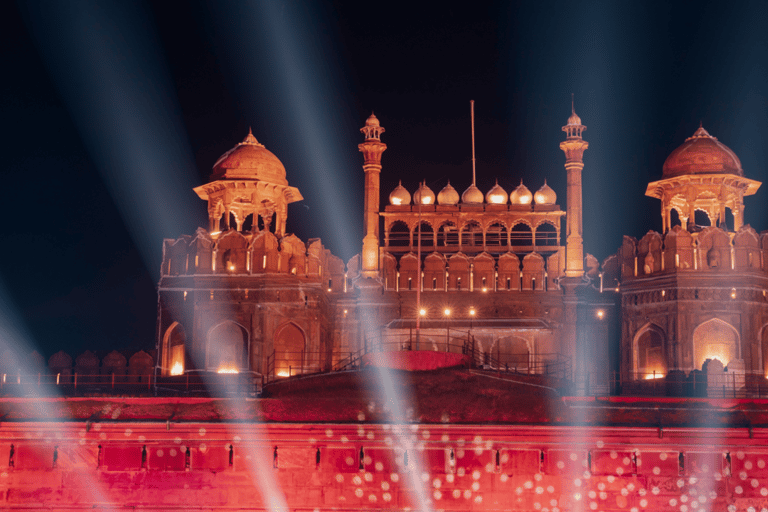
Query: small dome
[545,195]
[372,120]
[702,154]
[521,195]
[574,120]
[250,160]
[448,196]
[472,196]
[424,195]
[496,195]
[400,195]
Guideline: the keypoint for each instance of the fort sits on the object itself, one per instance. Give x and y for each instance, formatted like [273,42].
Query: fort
[472,356]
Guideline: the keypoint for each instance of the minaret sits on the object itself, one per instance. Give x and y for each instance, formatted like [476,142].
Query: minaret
[372,149]
[573,147]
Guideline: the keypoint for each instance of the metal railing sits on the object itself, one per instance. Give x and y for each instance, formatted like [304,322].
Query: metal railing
[193,383]
[696,383]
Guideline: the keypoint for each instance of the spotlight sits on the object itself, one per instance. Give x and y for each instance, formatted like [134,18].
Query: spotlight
[447,312]
[472,312]
[422,312]
[600,314]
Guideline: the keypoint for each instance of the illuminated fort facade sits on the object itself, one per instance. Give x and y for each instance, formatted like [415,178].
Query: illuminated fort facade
[485,274]
[491,292]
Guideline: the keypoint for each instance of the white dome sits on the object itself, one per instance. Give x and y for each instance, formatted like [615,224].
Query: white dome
[424,195]
[472,196]
[399,195]
[545,195]
[448,196]
[521,195]
[496,195]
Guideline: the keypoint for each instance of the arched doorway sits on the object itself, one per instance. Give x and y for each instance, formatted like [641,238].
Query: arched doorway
[291,356]
[173,350]
[649,353]
[227,348]
[764,348]
[715,339]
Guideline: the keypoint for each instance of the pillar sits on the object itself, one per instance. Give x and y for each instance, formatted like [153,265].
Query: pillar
[372,150]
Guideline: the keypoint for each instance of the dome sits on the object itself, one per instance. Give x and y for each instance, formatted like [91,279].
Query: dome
[574,120]
[250,160]
[521,195]
[545,195]
[702,154]
[400,195]
[372,120]
[424,195]
[448,196]
[472,196]
[496,195]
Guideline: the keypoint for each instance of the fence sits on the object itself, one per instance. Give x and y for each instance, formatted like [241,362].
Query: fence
[147,384]
[696,383]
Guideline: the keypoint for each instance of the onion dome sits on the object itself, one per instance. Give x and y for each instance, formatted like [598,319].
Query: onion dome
[400,195]
[521,195]
[702,154]
[574,120]
[249,160]
[472,195]
[496,195]
[424,195]
[372,120]
[448,196]
[545,195]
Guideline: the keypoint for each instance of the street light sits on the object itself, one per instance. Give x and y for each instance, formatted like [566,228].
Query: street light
[447,313]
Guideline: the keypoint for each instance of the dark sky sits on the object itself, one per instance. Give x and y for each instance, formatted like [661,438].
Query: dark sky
[114,111]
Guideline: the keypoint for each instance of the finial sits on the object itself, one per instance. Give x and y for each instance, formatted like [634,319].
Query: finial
[573,111]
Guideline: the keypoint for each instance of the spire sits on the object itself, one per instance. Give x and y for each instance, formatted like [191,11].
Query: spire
[574,127]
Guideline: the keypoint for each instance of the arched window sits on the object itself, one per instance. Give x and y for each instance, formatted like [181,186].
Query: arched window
[521,235]
[650,358]
[701,218]
[399,235]
[447,235]
[546,235]
[290,355]
[496,236]
[714,339]
[427,235]
[471,235]
[227,348]
[173,350]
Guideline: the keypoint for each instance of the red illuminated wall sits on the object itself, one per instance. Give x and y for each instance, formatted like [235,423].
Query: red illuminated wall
[155,465]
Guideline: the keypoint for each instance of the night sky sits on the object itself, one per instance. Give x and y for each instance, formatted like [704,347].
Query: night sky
[112,112]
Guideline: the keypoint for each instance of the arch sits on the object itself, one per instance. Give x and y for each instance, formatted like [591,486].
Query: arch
[471,234]
[521,235]
[447,235]
[547,235]
[514,352]
[715,339]
[674,218]
[509,272]
[227,348]
[427,234]
[496,235]
[701,218]
[649,352]
[763,338]
[231,253]
[399,235]
[174,341]
[483,274]
[290,350]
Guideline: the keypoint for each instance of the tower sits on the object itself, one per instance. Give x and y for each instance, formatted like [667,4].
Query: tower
[573,147]
[372,149]
[248,180]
